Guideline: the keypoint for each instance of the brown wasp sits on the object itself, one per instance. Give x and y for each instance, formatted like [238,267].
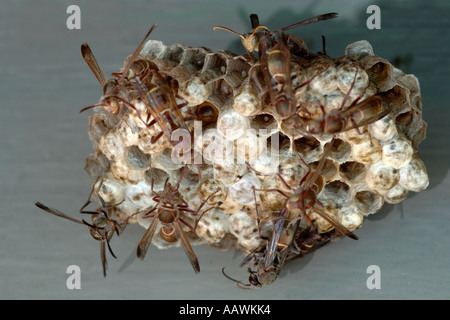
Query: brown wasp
[301,199]
[304,197]
[115,90]
[102,227]
[274,55]
[358,114]
[270,261]
[294,243]
[169,208]
[281,91]
[290,247]
[261,40]
[162,107]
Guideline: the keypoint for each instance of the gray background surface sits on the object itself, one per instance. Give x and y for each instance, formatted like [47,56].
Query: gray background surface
[44,82]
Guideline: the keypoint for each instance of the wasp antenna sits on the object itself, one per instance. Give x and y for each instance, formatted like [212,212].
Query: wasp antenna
[257,28]
[90,107]
[247,285]
[229,30]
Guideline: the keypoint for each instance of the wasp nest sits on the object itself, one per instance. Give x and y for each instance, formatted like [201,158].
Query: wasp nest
[232,130]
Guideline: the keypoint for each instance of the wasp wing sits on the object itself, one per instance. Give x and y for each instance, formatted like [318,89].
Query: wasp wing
[186,246]
[89,57]
[147,239]
[321,212]
[57,213]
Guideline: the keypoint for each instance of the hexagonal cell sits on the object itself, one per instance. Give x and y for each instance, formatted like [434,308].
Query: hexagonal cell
[136,159]
[381,177]
[237,70]
[213,226]
[222,94]
[245,229]
[242,190]
[367,152]
[397,152]
[414,176]
[153,49]
[111,145]
[195,58]
[140,195]
[229,172]
[403,120]
[250,146]
[264,121]
[368,202]
[338,191]
[146,143]
[96,165]
[110,191]
[164,160]
[340,150]
[324,81]
[353,172]
[347,82]
[378,72]
[207,113]
[212,188]
[308,147]
[231,125]
[292,169]
[120,171]
[384,128]
[396,194]
[359,49]
[290,125]
[278,141]
[174,54]
[213,146]
[272,200]
[247,101]
[215,64]
[351,217]
[157,177]
[225,89]
[329,169]
[97,127]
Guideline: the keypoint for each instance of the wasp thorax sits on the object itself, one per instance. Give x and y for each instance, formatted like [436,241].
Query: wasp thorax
[268,277]
[166,216]
[103,228]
